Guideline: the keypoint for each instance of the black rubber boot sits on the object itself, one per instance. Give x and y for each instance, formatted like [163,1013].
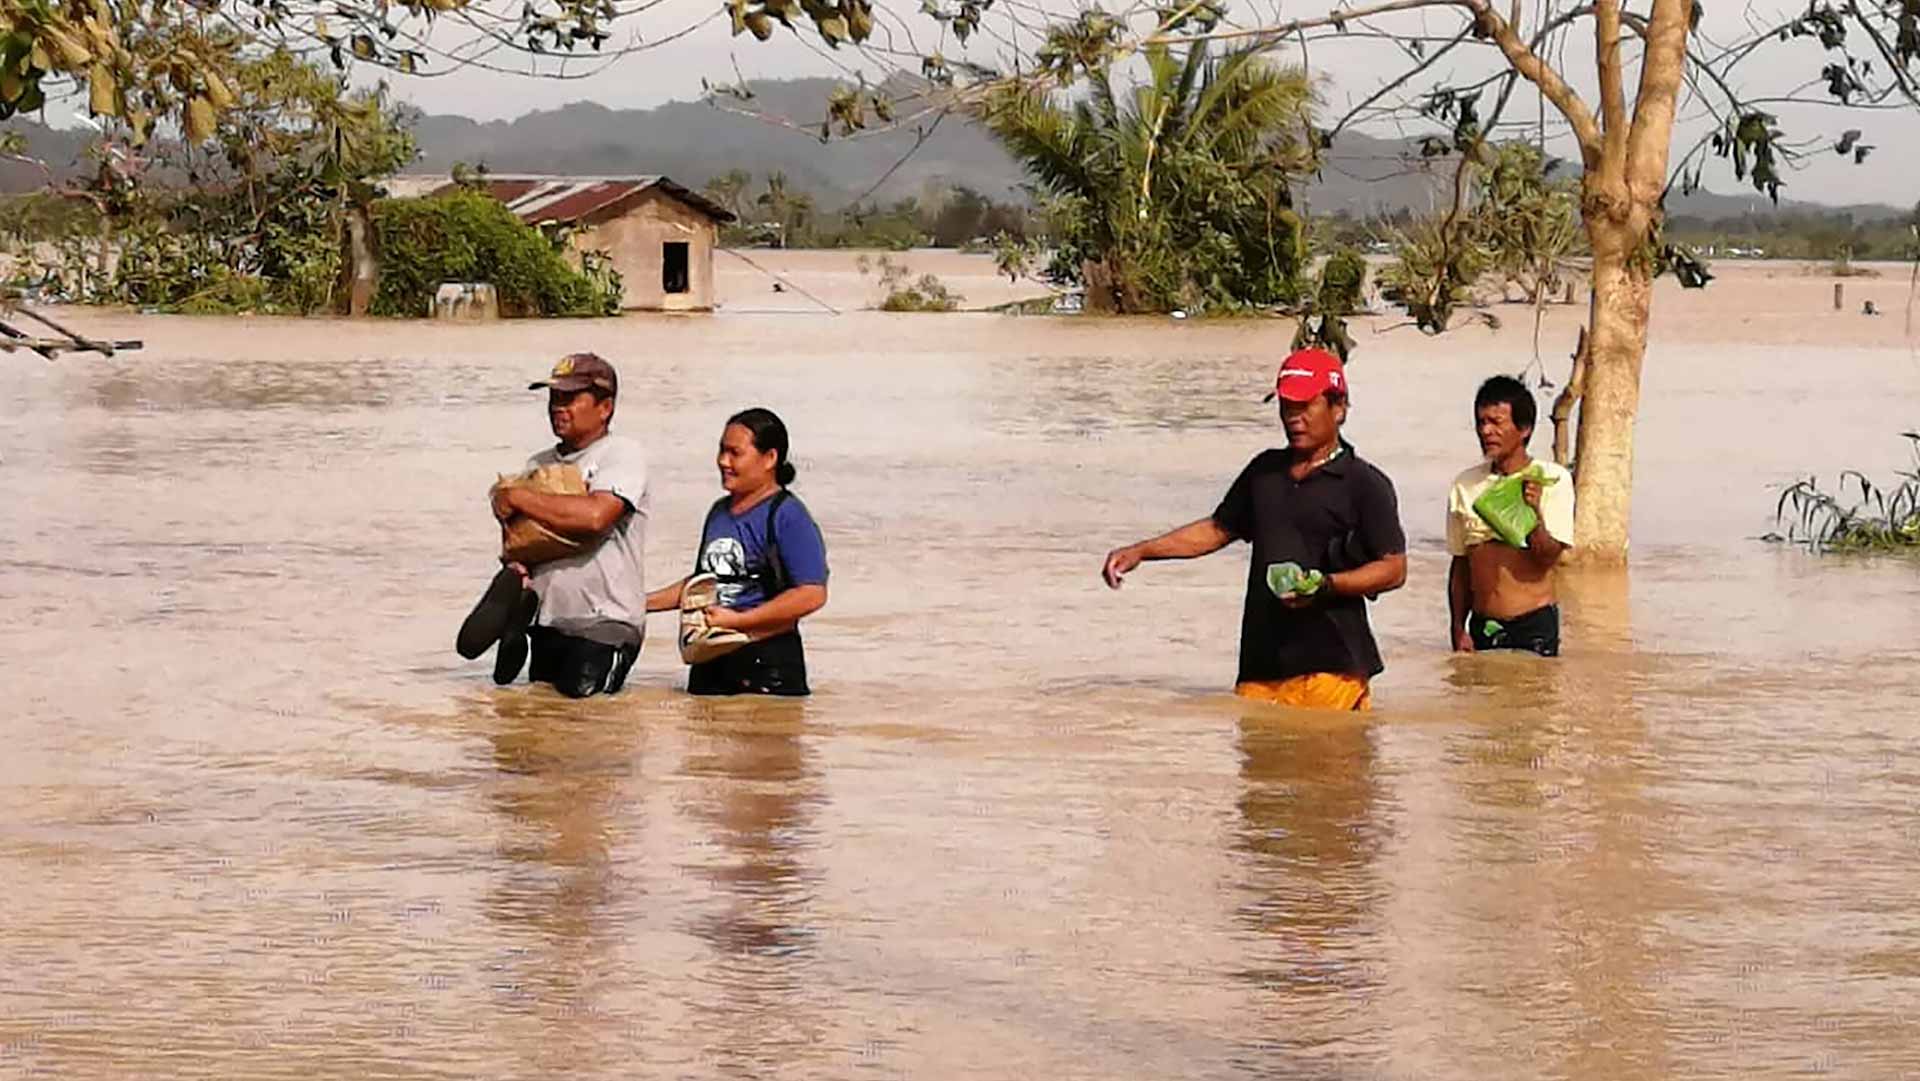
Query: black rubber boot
[489,618]
[511,656]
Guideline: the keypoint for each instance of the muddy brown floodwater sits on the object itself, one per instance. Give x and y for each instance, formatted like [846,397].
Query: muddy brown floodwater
[257,820]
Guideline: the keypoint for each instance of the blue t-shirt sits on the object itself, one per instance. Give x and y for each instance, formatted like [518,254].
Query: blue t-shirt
[734,550]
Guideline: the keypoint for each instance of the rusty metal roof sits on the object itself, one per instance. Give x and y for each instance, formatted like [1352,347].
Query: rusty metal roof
[538,199]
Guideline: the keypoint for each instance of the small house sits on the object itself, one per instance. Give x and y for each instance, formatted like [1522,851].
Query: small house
[659,235]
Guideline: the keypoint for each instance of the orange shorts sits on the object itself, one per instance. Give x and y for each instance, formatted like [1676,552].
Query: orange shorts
[1315,690]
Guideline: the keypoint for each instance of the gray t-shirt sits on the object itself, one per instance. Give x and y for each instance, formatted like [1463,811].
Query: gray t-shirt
[601,594]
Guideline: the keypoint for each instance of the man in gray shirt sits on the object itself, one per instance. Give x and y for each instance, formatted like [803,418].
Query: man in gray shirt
[583,614]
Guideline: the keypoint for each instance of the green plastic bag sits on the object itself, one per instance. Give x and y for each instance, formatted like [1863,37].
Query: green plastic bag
[1503,505]
[1289,580]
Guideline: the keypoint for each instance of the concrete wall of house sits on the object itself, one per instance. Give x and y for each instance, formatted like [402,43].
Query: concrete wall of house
[636,240]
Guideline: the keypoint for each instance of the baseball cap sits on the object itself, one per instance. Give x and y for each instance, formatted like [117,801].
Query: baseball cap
[580,371]
[1307,374]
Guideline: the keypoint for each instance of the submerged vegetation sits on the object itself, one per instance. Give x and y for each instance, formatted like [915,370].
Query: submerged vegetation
[904,293]
[1878,520]
[1512,220]
[469,237]
[1175,192]
[272,210]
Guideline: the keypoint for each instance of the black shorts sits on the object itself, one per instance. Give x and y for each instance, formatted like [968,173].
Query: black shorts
[1536,632]
[578,667]
[774,666]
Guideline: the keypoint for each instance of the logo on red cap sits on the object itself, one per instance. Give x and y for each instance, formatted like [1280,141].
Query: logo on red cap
[1307,374]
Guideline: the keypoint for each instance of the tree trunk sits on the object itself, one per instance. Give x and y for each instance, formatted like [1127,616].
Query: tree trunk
[104,271]
[1569,397]
[1610,394]
[363,271]
[1099,283]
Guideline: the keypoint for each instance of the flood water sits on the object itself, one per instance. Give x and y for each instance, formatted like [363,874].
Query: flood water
[258,820]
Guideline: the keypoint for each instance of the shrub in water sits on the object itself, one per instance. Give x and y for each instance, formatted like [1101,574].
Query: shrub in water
[468,237]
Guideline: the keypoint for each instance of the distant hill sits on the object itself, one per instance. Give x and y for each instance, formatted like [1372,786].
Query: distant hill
[695,141]
[63,149]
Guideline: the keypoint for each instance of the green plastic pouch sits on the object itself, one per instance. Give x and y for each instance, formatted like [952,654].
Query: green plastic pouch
[1503,506]
[1289,580]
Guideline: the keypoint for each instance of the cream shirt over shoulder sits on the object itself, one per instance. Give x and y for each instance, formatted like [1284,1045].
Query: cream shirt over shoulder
[1465,529]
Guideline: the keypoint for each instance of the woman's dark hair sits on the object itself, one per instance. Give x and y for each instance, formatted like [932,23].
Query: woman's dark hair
[769,434]
[1505,389]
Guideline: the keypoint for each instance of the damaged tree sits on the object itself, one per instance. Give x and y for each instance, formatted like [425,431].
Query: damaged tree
[143,63]
[61,340]
[1643,62]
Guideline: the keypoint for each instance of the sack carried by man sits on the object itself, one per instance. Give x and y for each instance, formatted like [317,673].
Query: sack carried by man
[700,641]
[1287,580]
[1503,506]
[525,541]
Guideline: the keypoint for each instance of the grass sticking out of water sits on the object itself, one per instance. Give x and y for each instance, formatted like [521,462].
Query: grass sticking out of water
[1879,520]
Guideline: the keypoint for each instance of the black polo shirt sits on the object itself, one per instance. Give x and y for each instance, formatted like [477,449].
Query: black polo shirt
[1346,500]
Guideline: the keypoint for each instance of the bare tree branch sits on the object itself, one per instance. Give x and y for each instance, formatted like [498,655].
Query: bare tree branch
[920,139]
[1277,31]
[1901,78]
[1409,76]
[1661,72]
[1485,23]
[1586,131]
[1613,93]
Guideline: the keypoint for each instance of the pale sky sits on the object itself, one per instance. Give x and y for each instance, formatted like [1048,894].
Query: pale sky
[1350,69]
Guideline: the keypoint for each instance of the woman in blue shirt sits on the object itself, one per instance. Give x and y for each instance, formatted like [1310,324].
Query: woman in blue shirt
[769,559]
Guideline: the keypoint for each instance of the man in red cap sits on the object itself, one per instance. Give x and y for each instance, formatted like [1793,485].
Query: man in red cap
[1318,506]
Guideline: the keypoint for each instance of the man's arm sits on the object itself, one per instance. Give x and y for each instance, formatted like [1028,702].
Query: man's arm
[1370,579]
[1543,548]
[582,517]
[1199,538]
[1459,603]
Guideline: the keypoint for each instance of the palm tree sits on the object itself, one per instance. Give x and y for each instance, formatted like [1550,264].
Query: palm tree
[1178,193]
[791,211]
[729,189]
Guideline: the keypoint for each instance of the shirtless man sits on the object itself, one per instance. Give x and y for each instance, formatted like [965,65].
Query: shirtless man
[1499,596]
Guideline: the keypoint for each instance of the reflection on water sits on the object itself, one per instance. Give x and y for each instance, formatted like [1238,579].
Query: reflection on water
[754,789]
[1311,833]
[257,821]
[562,800]
[756,794]
[557,801]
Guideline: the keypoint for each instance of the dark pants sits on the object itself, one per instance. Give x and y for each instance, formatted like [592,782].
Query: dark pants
[774,666]
[1536,632]
[578,667]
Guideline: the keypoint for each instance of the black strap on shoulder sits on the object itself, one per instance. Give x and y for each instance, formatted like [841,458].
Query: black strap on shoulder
[776,581]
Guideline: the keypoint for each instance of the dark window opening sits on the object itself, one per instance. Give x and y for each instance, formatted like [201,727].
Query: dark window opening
[673,274]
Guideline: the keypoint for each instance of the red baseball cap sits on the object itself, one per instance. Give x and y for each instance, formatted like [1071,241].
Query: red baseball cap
[1307,374]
